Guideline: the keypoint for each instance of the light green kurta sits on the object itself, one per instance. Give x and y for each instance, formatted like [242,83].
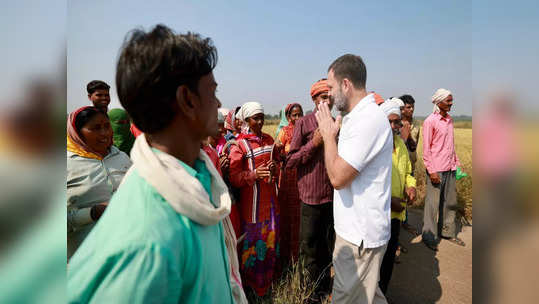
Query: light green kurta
[143,251]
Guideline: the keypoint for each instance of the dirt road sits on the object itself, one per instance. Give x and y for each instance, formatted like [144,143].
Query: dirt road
[425,276]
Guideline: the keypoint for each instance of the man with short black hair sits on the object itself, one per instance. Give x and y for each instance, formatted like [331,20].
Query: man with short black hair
[359,169]
[161,239]
[410,134]
[98,93]
[409,131]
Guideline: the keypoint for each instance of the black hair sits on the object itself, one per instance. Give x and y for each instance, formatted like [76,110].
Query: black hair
[85,116]
[407,99]
[297,105]
[237,110]
[152,65]
[95,85]
[351,67]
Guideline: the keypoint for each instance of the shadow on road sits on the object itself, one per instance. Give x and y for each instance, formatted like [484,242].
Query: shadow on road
[415,279]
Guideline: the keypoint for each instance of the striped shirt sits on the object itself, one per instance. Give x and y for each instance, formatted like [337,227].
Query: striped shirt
[313,181]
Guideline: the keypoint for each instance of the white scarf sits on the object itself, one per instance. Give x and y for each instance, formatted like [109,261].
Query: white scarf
[247,110]
[187,196]
[439,96]
[182,191]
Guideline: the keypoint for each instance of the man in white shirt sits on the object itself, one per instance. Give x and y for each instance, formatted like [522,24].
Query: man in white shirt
[360,171]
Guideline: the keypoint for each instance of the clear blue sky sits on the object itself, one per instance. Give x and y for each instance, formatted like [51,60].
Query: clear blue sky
[272,53]
[33,45]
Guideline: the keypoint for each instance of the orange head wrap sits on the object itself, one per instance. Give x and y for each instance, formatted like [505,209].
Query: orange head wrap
[377,98]
[320,86]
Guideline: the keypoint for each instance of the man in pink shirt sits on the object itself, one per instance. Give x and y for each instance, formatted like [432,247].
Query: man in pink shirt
[441,162]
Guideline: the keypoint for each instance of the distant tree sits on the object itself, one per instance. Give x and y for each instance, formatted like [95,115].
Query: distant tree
[271,116]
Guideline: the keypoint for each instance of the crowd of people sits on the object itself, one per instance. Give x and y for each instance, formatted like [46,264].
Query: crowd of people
[174,199]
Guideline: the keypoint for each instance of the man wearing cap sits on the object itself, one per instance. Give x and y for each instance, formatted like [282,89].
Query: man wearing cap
[441,163]
[317,236]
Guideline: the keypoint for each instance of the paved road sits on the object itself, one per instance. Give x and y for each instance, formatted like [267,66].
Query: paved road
[425,276]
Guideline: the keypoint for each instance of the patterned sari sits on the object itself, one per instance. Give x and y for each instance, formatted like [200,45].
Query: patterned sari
[259,211]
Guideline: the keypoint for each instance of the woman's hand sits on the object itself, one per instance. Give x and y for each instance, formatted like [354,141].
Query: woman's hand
[224,163]
[272,166]
[97,210]
[262,172]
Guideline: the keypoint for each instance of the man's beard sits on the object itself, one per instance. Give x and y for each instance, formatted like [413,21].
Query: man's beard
[396,132]
[334,112]
[339,101]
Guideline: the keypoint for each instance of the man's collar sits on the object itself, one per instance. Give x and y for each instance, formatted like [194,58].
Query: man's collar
[363,103]
[447,117]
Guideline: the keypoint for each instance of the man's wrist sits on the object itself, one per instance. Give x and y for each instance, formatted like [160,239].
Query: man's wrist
[330,140]
[330,147]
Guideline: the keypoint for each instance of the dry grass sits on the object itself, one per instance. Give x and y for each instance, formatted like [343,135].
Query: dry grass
[270,126]
[463,124]
[463,143]
[289,289]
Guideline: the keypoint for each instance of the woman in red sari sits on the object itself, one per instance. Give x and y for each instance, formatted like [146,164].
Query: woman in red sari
[254,171]
[288,189]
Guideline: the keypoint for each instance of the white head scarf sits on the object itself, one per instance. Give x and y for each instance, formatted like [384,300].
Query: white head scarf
[220,117]
[439,96]
[248,109]
[392,106]
[224,112]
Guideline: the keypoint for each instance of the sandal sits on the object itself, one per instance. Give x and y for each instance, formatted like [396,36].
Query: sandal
[410,229]
[403,249]
[456,240]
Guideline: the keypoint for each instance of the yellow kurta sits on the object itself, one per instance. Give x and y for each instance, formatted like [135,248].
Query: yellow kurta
[401,174]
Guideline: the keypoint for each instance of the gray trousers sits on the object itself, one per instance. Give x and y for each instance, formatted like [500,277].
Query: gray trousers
[440,216]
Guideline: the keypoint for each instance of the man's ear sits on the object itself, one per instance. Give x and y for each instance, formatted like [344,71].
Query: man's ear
[346,85]
[89,96]
[186,101]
